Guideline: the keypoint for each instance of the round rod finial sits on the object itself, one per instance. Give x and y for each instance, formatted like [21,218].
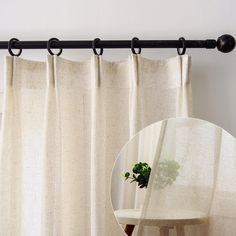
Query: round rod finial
[226,43]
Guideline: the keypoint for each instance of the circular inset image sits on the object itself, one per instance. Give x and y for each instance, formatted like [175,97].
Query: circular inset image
[176,177]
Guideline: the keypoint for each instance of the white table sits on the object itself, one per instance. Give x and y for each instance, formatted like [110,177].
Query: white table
[165,220]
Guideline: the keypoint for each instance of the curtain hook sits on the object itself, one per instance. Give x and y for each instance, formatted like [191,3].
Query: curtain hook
[10,44]
[95,41]
[182,39]
[49,43]
[132,46]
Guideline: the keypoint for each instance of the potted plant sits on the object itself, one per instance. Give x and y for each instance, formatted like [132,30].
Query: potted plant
[167,172]
[141,173]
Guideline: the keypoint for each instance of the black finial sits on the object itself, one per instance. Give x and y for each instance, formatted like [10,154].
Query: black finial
[226,43]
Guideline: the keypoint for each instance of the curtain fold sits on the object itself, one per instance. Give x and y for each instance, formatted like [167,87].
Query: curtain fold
[21,147]
[64,123]
[163,91]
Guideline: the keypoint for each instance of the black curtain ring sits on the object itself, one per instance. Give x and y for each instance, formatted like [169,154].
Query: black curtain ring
[182,39]
[49,43]
[10,44]
[95,41]
[132,46]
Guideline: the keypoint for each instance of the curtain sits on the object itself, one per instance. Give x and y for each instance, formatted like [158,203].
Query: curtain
[63,125]
[192,184]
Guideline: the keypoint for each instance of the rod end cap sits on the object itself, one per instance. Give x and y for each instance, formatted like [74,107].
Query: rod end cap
[226,43]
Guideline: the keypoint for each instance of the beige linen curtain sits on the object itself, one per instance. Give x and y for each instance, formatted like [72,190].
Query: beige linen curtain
[201,199]
[64,123]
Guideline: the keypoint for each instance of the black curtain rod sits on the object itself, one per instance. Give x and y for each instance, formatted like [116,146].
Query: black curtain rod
[225,43]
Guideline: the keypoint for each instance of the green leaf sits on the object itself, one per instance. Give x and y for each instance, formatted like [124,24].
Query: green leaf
[127,174]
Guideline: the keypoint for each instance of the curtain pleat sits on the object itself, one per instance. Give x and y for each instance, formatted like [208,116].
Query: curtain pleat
[64,123]
[162,90]
[21,147]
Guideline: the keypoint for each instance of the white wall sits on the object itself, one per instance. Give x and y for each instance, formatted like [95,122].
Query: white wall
[213,73]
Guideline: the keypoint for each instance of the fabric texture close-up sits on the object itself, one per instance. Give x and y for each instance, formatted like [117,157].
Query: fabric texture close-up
[64,123]
[200,199]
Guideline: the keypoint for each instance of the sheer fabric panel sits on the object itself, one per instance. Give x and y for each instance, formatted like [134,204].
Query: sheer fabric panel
[64,123]
[204,187]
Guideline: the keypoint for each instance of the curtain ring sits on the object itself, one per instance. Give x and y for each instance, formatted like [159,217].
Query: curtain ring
[182,39]
[10,44]
[132,46]
[95,41]
[49,43]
